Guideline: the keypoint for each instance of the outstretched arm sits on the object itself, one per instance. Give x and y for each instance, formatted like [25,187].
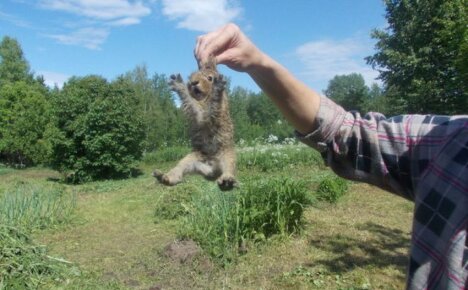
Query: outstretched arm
[298,103]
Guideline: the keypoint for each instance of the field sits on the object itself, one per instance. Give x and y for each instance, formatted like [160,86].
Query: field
[127,234]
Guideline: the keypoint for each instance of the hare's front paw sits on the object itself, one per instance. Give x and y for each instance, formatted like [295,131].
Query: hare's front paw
[176,83]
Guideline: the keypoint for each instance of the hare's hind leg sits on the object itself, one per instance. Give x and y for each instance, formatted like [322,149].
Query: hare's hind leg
[191,163]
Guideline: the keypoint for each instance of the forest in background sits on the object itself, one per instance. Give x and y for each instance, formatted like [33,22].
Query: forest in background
[94,128]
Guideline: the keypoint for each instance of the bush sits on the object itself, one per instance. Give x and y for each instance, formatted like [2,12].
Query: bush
[26,124]
[101,131]
[224,223]
[331,188]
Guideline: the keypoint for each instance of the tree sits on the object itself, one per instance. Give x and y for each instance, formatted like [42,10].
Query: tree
[350,91]
[26,124]
[101,132]
[421,56]
[238,102]
[13,65]
[264,114]
[162,121]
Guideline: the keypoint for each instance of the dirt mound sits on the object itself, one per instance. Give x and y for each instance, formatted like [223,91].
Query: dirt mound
[182,251]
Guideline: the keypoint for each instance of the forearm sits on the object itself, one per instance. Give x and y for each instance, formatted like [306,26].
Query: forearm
[297,102]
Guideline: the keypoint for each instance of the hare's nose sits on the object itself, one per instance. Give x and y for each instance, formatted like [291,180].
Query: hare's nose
[194,83]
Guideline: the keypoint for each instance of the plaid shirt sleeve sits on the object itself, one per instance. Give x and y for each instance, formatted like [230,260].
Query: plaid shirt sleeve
[423,158]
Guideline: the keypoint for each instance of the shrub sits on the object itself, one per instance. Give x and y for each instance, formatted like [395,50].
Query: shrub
[331,188]
[26,124]
[101,131]
[221,223]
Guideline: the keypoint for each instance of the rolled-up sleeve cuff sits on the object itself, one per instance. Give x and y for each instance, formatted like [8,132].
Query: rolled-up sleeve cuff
[329,118]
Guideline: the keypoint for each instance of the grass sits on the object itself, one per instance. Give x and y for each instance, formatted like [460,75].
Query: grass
[122,229]
[224,224]
[32,206]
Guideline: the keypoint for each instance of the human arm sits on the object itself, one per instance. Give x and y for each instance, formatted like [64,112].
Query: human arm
[297,102]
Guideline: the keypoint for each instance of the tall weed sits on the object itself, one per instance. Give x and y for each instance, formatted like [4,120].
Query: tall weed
[36,207]
[223,223]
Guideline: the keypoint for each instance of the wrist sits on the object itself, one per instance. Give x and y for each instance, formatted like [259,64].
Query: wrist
[262,64]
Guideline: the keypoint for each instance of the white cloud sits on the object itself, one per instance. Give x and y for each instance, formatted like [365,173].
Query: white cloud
[103,14]
[90,37]
[324,59]
[53,78]
[14,20]
[104,10]
[201,15]
[125,21]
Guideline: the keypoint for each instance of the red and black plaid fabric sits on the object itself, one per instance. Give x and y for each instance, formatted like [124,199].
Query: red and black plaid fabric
[423,158]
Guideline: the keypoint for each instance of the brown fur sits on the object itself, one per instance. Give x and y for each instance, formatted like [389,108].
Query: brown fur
[204,101]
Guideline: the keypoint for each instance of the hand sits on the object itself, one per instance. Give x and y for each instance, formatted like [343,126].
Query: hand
[229,46]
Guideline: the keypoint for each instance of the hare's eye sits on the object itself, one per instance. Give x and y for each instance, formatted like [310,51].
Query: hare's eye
[210,78]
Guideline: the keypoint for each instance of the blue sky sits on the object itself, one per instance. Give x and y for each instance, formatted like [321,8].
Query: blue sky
[315,39]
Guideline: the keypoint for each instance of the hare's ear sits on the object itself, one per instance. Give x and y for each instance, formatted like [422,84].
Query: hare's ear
[210,64]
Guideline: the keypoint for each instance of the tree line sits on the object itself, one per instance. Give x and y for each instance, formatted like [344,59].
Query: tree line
[422,60]
[94,128]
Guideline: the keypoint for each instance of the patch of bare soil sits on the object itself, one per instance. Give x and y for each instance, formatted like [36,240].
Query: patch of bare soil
[182,251]
[188,252]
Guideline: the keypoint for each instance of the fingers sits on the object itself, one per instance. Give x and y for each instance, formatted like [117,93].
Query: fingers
[216,42]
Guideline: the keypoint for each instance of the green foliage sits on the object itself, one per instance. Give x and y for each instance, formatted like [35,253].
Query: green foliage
[174,203]
[223,224]
[331,188]
[271,206]
[421,56]
[101,131]
[163,122]
[263,113]
[26,124]
[166,154]
[33,207]
[25,265]
[350,91]
[13,65]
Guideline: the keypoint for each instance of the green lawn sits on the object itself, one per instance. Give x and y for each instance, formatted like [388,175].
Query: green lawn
[115,239]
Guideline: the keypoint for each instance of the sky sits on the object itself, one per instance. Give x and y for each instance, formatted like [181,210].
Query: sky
[314,39]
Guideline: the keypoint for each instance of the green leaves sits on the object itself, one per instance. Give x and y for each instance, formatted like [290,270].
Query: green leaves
[421,55]
[331,188]
[26,125]
[13,65]
[350,91]
[101,131]
[224,224]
